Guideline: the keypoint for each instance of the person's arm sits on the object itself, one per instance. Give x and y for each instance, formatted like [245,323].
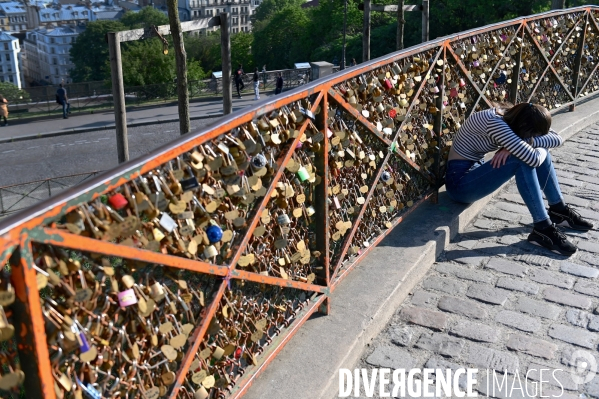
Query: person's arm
[549,140]
[505,137]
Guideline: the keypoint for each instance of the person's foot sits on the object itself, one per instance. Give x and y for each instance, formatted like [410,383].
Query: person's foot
[65,117]
[570,218]
[553,239]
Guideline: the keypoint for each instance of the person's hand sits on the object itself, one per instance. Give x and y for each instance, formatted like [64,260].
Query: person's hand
[500,158]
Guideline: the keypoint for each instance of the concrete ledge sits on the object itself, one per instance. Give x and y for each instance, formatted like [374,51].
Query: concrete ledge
[366,300]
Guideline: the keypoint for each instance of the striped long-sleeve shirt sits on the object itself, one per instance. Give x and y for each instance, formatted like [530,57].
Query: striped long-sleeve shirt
[486,131]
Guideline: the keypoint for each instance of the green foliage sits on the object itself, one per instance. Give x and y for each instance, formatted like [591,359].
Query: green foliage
[282,41]
[13,94]
[144,63]
[89,53]
[241,51]
[204,49]
[268,8]
[145,18]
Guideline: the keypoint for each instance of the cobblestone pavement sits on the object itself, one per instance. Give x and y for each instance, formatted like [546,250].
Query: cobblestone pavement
[494,301]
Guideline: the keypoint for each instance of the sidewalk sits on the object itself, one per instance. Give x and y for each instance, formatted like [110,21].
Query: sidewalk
[374,293]
[79,123]
[494,301]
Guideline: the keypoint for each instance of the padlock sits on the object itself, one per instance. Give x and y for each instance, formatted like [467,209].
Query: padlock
[214,233]
[190,183]
[127,298]
[283,219]
[258,162]
[117,201]
[210,252]
[385,176]
[303,174]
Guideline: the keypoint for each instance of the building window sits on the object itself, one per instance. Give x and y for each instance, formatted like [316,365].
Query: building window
[57,72]
[10,78]
[7,57]
[54,61]
[52,50]
[5,46]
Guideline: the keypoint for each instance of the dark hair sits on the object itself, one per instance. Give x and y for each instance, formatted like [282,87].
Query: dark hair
[526,119]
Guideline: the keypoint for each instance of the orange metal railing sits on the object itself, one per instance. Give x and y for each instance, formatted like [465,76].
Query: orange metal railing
[186,270]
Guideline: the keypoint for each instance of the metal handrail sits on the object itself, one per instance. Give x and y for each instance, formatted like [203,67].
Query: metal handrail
[13,189]
[361,106]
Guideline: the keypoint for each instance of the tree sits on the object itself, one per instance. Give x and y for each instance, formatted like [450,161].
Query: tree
[13,94]
[181,63]
[204,49]
[145,18]
[268,8]
[241,53]
[89,53]
[280,43]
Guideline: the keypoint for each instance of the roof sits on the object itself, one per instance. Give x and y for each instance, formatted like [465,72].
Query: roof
[5,37]
[12,7]
[66,13]
[103,15]
[60,31]
[129,5]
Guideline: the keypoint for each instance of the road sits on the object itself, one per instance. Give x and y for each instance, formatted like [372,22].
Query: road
[102,119]
[25,161]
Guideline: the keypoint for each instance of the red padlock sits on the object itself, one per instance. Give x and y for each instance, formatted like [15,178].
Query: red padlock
[388,85]
[392,114]
[117,201]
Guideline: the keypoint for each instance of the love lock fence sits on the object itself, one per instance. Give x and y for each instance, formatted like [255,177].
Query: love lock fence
[182,273]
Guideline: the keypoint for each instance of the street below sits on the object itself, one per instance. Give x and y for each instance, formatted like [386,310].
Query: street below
[37,159]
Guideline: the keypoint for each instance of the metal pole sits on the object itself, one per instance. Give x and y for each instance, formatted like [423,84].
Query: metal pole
[425,21]
[342,66]
[366,32]
[225,53]
[577,61]
[515,76]
[400,25]
[118,95]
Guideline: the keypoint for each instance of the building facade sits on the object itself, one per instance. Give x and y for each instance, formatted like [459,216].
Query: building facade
[47,54]
[31,62]
[15,14]
[240,12]
[10,60]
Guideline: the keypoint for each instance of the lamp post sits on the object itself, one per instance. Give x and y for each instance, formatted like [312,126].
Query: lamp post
[342,66]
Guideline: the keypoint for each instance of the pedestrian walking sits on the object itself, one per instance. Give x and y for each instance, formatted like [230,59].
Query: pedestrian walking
[239,80]
[4,109]
[264,75]
[63,99]
[256,84]
[279,83]
[353,62]
[522,135]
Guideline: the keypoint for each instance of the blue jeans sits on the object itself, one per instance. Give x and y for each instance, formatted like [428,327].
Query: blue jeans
[468,181]
[66,107]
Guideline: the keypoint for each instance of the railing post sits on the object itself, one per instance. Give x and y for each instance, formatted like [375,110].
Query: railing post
[517,68]
[225,52]
[321,196]
[577,60]
[438,127]
[425,21]
[366,32]
[118,96]
[29,326]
